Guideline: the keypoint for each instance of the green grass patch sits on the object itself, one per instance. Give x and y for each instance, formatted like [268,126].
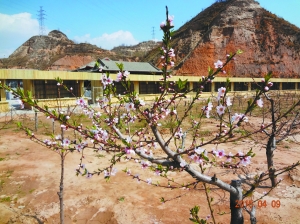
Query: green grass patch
[5,199]
[171,124]
[242,132]
[121,199]
[21,193]
[2,182]
[205,133]
[9,173]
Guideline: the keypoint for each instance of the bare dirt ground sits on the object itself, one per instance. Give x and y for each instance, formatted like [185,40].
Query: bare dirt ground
[30,175]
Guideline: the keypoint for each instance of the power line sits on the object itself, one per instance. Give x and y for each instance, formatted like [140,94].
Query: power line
[41,20]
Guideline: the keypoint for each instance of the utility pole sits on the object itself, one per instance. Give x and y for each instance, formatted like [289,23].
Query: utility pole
[153,33]
[41,18]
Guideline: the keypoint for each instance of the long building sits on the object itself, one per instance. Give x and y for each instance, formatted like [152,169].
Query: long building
[144,76]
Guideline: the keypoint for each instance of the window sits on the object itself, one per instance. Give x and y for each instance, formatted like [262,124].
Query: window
[275,86]
[207,86]
[240,86]
[49,89]
[288,85]
[255,86]
[120,89]
[149,87]
[219,85]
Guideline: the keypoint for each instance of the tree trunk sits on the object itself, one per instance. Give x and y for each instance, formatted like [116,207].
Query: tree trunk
[253,215]
[271,146]
[61,189]
[235,202]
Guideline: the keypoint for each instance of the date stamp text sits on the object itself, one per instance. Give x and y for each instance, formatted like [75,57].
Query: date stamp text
[259,203]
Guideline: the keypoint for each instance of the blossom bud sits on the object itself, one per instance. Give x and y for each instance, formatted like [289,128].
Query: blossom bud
[266,88]
[162,24]
[170,18]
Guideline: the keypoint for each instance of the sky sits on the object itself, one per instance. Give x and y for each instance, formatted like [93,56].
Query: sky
[107,24]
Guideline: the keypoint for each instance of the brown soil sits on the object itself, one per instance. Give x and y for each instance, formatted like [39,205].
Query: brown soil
[30,175]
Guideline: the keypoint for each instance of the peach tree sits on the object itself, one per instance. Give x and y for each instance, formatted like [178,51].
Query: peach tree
[131,130]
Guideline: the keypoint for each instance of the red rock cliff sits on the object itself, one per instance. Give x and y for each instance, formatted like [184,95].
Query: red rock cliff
[269,43]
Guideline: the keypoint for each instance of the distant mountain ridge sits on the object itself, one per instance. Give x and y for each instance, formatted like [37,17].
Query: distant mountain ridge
[138,50]
[56,52]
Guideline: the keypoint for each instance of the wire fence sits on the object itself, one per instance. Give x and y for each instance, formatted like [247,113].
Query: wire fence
[32,119]
[36,121]
[9,118]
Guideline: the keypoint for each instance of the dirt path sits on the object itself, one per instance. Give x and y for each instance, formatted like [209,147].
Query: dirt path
[29,176]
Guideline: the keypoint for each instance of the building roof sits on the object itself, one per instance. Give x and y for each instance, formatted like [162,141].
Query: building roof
[109,65]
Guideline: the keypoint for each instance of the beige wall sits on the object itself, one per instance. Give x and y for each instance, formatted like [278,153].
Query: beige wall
[2,91]
[4,106]
[136,86]
[28,86]
[62,102]
[65,75]
[46,75]
[97,89]
[80,87]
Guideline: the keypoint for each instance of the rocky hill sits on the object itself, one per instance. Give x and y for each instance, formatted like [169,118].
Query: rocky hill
[269,43]
[138,50]
[56,52]
[43,52]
